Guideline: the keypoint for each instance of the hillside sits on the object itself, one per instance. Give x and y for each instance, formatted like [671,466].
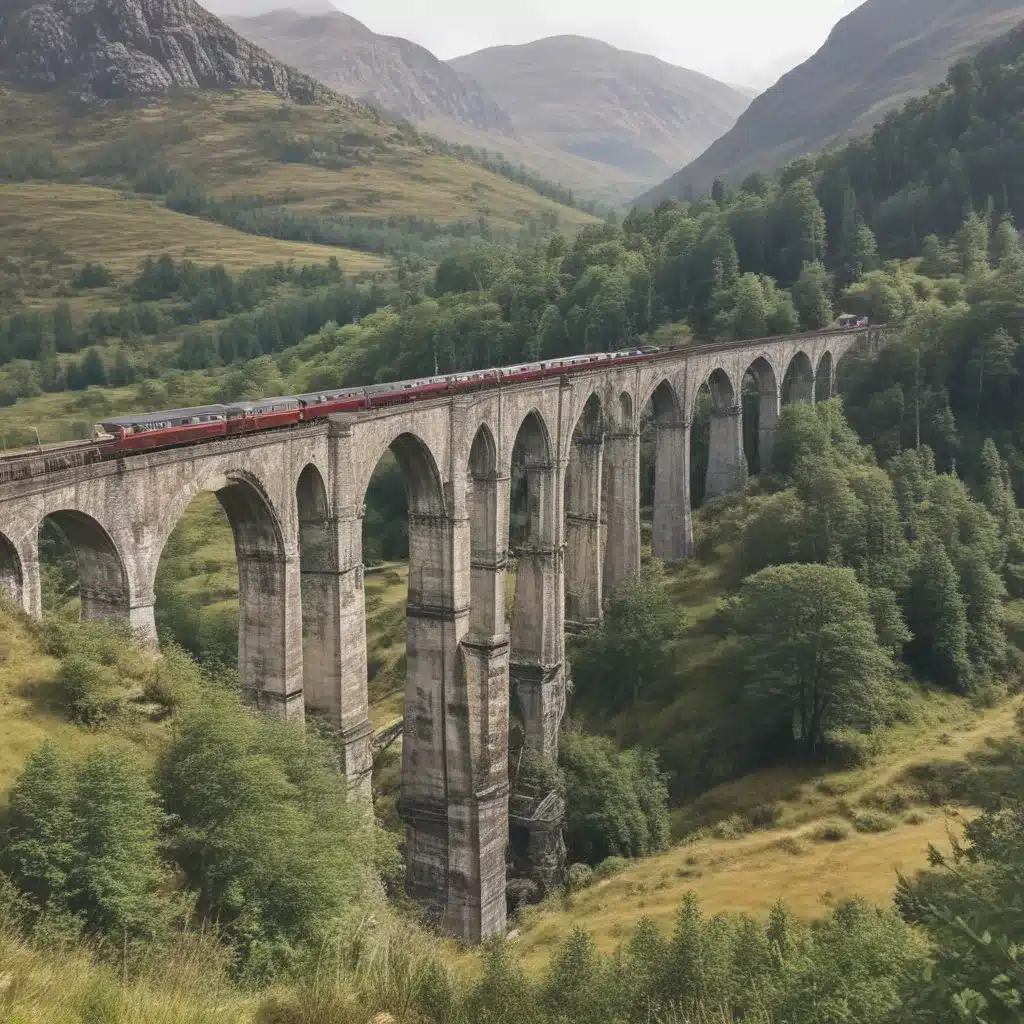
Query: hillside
[391,74]
[874,60]
[629,115]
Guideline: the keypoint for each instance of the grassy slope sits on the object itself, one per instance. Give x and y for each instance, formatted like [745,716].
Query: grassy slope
[118,229]
[222,139]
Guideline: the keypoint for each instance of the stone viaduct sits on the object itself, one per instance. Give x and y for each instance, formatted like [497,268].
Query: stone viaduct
[295,500]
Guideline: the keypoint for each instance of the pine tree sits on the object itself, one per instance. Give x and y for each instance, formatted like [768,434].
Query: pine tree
[937,618]
[811,296]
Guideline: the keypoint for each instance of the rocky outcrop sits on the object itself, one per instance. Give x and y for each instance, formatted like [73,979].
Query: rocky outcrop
[115,48]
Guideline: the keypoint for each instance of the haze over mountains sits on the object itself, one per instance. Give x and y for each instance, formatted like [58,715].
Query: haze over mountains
[604,121]
[874,60]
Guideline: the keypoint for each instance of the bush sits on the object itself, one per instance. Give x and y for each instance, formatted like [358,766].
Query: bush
[831,832]
[83,842]
[872,821]
[229,778]
[616,800]
[92,693]
[92,275]
[611,866]
[580,876]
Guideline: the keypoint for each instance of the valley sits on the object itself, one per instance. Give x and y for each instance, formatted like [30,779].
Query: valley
[788,777]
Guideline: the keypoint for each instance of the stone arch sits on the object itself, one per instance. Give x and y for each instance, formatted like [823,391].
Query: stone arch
[824,378]
[11,579]
[723,394]
[582,502]
[760,413]
[318,568]
[103,578]
[798,383]
[424,488]
[625,412]
[725,469]
[487,539]
[669,490]
[269,606]
[537,640]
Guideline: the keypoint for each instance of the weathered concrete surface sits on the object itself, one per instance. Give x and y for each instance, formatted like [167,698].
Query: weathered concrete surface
[295,500]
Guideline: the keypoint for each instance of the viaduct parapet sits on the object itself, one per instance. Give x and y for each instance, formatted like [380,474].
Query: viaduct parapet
[295,500]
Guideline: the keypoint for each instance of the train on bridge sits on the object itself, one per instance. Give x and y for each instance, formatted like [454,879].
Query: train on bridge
[145,432]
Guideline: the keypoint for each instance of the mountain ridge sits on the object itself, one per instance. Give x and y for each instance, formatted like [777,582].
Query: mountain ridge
[393,74]
[877,57]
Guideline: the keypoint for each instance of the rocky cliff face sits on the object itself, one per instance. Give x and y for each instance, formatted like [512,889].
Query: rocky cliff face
[392,74]
[113,48]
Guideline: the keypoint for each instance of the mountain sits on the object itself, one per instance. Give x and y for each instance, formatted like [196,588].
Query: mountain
[116,48]
[876,58]
[392,74]
[628,116]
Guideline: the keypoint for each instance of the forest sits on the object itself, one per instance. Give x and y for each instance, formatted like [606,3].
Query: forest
[184,861]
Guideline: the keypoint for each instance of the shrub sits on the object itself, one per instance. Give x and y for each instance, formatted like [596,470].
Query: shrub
[92,275]
[83,842]
[230,778]
[831,832]
[580,876]
[872,821]
[611,866]
[616,800]
[733,827]
[92,693]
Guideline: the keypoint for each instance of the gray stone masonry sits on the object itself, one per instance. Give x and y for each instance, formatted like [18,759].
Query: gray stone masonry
[295,501]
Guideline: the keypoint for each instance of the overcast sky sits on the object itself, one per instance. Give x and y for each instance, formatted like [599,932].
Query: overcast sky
[730,39]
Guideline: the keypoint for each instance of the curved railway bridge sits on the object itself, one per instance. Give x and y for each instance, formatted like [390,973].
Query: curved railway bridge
[295,500]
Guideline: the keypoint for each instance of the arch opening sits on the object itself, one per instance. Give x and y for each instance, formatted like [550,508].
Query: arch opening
[410,650]
[760,404]
[824,379]
[11,580]
[318,568]
[225,590]
[583,512]
[81,566]
[798,383]
[487,546]
[666,521]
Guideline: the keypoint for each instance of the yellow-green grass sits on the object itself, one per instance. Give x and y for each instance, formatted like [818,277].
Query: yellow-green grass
[222,138]
[387,591]
[119,229]
[791,861]
[747,875]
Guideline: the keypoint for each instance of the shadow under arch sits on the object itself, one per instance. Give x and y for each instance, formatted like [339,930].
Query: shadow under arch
[431,659]
[537,616]
[760,414]
[103,580]
[824,378]
[261,635]
[11,578]
[716,436]
[583,505]
[798,382]
[318,568]
[665,486]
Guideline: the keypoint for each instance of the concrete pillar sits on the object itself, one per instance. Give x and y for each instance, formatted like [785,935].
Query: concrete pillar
[142,619]
[672,539]
[767,422]
[334,635]
[583,562]
[270,631]
[476,734]
[537,669]
[727,464]
[434,627]
[621,492]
